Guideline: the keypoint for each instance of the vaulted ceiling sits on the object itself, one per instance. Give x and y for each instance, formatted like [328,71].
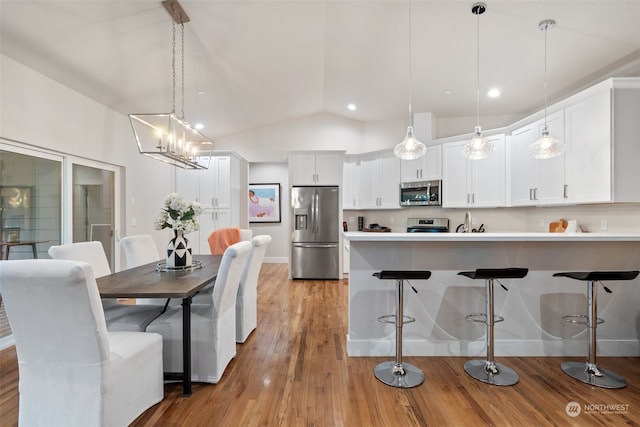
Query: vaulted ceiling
[253,63]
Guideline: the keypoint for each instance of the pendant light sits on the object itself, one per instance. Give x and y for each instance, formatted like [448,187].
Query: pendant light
[410,148]
[547,147]
[166,136]
[478,147]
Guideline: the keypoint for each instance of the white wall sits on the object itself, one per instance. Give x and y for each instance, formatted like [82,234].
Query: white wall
[269,173]
[43,113]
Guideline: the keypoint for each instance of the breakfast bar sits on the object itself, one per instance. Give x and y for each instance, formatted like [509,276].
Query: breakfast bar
[533,306]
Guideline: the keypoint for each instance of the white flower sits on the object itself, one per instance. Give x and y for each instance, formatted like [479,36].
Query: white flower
[178,215]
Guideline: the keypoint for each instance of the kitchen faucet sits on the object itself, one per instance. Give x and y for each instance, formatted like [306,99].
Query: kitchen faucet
[467,222]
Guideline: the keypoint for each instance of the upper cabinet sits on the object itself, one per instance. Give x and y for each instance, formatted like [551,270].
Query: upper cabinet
[378,181]
[536,181]
[222,190]
[350,182]
[425,168]
[599,127]
[473,183]
[316,168]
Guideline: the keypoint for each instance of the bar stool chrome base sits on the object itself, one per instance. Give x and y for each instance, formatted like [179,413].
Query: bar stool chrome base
[491,373]
[396,373]
[590,374]
[403,375]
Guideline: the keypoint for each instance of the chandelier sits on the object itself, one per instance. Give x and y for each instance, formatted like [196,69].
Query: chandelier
[168,137]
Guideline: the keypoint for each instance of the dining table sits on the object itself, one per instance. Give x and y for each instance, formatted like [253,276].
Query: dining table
[154,280]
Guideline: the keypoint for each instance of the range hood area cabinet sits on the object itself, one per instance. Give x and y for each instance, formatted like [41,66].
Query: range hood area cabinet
[473,183]
[425,168]
[600,129]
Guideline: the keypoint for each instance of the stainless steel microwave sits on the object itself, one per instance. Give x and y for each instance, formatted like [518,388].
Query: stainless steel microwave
[421,193]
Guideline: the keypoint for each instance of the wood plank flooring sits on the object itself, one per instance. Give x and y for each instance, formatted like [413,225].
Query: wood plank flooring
[294,371]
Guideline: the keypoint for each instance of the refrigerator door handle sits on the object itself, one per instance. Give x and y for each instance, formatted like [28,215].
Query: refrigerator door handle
[316,211]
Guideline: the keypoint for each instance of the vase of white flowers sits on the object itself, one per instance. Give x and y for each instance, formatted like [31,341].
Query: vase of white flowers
[182,218]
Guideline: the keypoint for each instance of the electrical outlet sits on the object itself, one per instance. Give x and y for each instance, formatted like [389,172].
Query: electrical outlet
[134,222]
[604,225]
[392,220]
[133,201]
[474,220]
[542,223]
[352,219]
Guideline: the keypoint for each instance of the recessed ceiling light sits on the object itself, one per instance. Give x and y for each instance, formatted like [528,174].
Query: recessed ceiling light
[200,92]
[199,126]
[493,93]
[351,107]
[448,92]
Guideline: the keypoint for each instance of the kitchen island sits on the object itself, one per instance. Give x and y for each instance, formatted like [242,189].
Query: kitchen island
[533,307]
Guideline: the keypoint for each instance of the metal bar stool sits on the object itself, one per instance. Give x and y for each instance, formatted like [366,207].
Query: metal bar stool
[396,373]
[588,372]
[488,371]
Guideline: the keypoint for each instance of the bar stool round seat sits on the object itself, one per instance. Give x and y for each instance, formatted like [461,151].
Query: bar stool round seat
[488,371]
[397,373]
[588,372]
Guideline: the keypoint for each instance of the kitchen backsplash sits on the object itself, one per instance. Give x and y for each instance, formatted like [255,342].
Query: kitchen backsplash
[606,218]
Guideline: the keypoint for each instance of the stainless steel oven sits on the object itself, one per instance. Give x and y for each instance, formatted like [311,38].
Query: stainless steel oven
[427,225]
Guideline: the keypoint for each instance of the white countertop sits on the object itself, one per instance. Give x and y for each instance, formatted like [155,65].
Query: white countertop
[359,236]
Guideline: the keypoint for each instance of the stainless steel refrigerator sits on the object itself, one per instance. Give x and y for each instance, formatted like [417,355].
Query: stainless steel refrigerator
[315,229]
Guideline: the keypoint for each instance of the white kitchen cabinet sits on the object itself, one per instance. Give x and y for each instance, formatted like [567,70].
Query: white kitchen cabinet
[588,139]
[215,185]
[533,181]
[425,168]
[316,168]
[379,181]
[350,183]
[473,183]
[222,190]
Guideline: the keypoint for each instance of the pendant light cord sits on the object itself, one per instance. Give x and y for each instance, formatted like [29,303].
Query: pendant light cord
[173,66]
[478,68]
[545,76]
[182,72]
[410,74]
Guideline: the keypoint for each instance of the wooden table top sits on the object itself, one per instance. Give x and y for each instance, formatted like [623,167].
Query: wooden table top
[145,282]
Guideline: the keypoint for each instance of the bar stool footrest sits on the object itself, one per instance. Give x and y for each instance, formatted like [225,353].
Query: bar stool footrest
[572,318]
[584,372]
[403,375]
[482,318]
[388,317]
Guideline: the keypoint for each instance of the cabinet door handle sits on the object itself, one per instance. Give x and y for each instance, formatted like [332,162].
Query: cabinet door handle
[566,191]
[473,198]
[535,194]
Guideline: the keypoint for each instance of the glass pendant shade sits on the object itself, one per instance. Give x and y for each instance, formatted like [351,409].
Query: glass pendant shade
[478,147]
[547,147]
[410,148]
[168,138]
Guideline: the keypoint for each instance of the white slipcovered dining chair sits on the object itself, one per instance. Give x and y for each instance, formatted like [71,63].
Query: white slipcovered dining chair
[72,371]
[119,317]
[247,300]
[139,250]
[213,325]
[204,295]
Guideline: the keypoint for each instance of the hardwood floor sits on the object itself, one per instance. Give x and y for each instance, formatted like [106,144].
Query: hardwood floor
[294,371]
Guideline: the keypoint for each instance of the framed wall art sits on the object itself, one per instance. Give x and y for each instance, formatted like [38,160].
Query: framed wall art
[264,203]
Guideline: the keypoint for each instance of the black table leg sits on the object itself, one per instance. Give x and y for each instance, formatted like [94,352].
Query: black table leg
[186,346]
